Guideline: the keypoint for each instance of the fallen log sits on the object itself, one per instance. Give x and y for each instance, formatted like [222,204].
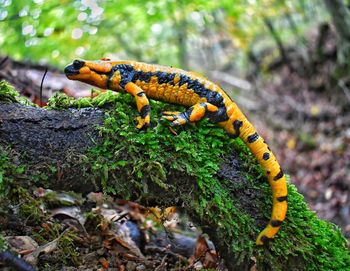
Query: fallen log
[72,145]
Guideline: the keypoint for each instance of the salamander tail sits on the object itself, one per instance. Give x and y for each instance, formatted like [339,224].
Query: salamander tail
[238,125]
[276,179]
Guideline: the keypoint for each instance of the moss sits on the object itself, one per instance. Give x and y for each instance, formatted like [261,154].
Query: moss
[11,193]
[8,94]
[29,207]
[66,253]
[62,101]
[3,244]
[8,170]
[137,164]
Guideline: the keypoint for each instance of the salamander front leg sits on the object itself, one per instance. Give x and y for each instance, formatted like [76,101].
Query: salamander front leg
[193,114]
[142,104]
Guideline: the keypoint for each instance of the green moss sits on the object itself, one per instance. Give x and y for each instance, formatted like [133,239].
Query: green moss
[66,253]
[313,243]
[7,171]
[8,94]
[133,163]
[62,101]
[3,244]
[29,207]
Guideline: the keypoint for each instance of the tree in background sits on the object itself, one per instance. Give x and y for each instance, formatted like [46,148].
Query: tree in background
[198,34]
[341,19]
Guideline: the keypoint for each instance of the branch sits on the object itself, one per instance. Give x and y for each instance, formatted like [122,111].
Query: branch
[214,179]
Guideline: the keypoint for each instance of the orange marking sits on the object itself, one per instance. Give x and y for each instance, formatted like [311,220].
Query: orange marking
[114,81]
[176,78]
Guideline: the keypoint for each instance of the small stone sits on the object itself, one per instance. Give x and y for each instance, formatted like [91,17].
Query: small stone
[131,266]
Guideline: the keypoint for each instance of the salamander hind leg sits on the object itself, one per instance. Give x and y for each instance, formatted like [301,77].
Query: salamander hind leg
[193,114]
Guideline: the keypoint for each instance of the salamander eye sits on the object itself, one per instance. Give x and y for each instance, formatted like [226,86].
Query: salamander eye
[77,64]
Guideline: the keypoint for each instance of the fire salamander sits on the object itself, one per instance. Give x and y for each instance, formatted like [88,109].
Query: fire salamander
[202,98]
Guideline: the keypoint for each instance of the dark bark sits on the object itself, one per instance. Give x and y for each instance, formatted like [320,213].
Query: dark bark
[51,137]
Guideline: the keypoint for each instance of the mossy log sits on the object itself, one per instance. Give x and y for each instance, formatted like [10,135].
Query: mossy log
[214,179]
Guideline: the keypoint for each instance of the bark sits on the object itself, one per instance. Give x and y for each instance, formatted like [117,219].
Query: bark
[40,138]
[50,137]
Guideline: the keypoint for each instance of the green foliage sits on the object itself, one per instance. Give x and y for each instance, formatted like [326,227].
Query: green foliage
[164,31]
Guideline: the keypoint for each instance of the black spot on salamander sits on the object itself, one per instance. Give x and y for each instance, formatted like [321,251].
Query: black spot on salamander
[183,79]
[218,116]
[237,124]
[214,97]
[127,73]
[193,84]
[266,156]
[142,76]
[145,110]
[281,199]
[264,239]
[164,77]
[186,115]
[276,223]
[278,176]
[253,137]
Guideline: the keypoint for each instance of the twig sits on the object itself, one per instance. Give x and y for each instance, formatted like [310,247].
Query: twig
[41,87]
[15,262]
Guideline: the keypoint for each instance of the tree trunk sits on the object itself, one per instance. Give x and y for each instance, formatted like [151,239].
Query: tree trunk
[214,179]
[341,19]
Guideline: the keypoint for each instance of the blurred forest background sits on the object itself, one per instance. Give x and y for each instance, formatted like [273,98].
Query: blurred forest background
[285,62]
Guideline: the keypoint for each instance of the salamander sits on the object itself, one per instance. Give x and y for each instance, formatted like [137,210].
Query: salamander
[202,98]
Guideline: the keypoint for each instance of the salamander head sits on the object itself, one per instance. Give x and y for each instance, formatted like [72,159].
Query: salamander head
[97,73]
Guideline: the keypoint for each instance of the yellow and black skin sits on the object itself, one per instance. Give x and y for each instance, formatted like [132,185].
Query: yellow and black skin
[203,99]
